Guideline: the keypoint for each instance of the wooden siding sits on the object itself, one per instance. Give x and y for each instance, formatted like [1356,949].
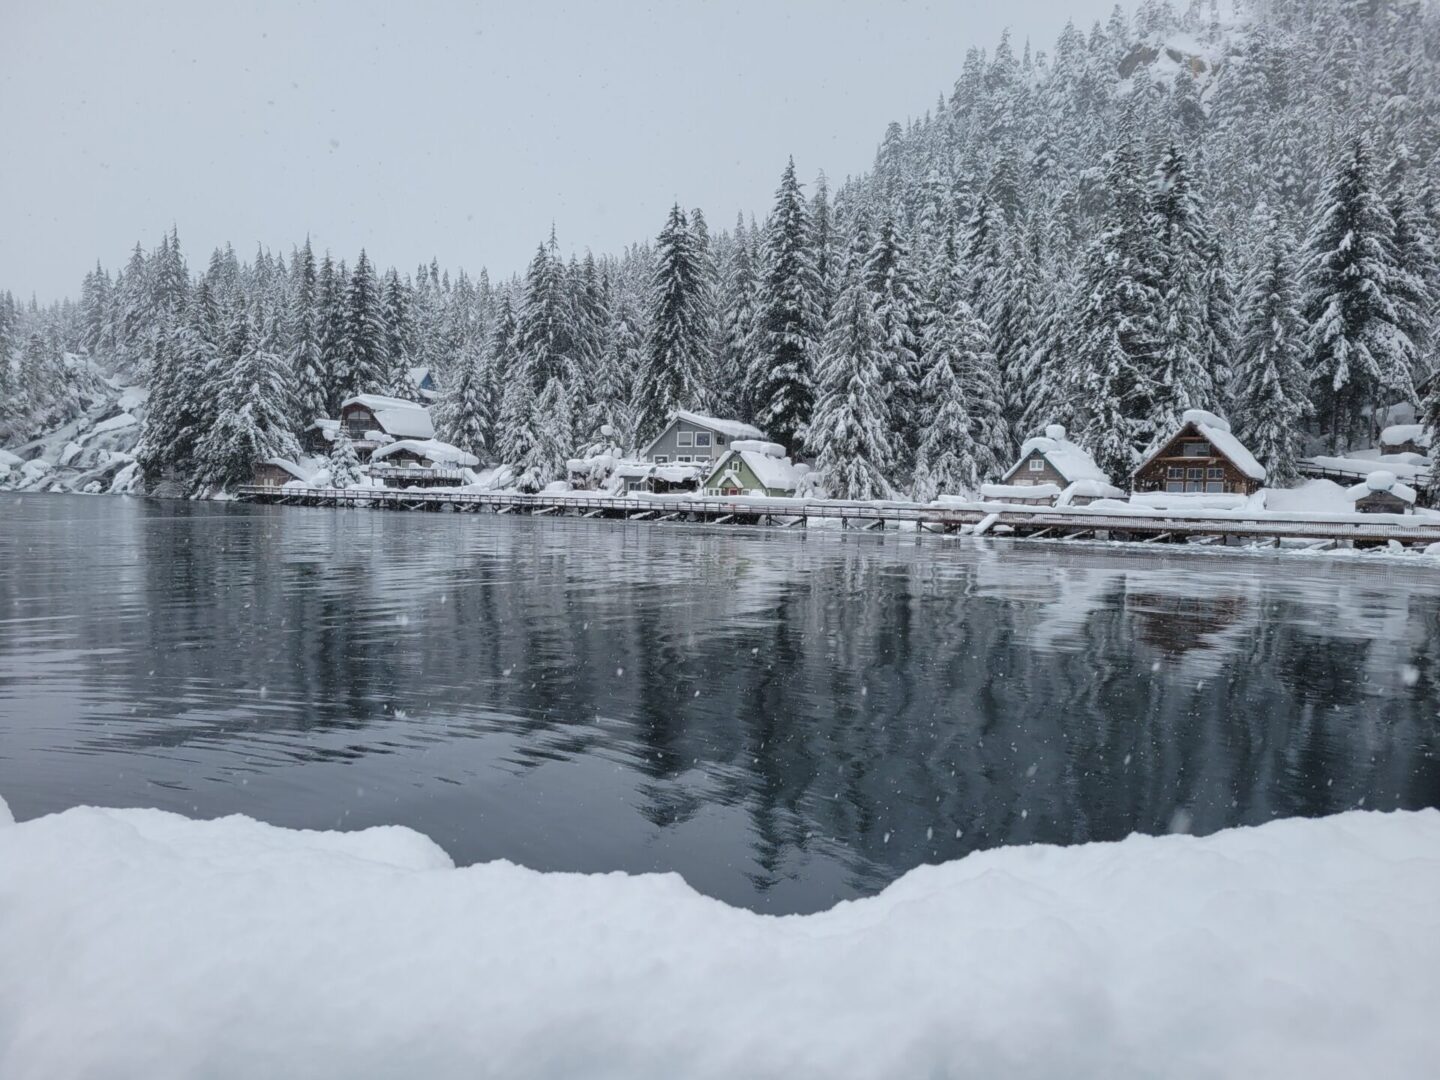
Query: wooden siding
[1381,502]
[271,476]
[1021,474]
[667,445]
[1203,471]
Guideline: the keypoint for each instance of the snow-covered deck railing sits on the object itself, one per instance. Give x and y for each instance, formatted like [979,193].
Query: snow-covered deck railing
[1059,522]
[406,472]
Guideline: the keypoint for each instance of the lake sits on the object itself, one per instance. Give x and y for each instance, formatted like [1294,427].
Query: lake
[785,719]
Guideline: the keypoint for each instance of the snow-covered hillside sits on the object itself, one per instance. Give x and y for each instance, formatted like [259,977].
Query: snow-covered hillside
[135,943]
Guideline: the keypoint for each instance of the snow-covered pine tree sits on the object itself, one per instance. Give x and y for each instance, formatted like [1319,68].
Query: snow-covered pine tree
[737,326]
[1270,390]
[345,468]
[546,331]
[253,421]
[330,314]
[1115,325]
[960,407]
[465,416]
[399,332]
[1357,351]
[677,369]
[850,436]
[544,461]
[306,363]
[780,382]
[898,306]
[1186,377]
[366,368]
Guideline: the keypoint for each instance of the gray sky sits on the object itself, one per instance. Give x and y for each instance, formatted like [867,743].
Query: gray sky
[446,129]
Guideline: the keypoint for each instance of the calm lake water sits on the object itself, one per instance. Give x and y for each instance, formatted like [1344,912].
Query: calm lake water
[787,720]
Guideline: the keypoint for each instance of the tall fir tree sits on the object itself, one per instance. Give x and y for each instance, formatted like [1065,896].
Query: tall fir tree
[678,362]
[306,361]
[365,367]
[780,382]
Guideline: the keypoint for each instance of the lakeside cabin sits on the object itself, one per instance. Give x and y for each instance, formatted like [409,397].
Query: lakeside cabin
[1052,471]
[754,467]
[421,463]
[692,438]
[277,472]
[1202,458]
[370,421]
[1382,493]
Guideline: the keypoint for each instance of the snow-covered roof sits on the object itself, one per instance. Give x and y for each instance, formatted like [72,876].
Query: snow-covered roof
[289,466]
[1381,481]
[417,374]
[1030,492]
[1216,430]
[731,429]
[1403,433]
[759,446]
[1091,489]
[396,416]
[772,472]
[441,453]
[675,474]
[1072,462]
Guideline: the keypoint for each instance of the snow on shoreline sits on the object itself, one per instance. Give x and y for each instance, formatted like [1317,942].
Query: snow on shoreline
[136,943]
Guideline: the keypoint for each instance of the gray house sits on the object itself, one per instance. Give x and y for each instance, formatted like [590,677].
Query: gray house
[693,439]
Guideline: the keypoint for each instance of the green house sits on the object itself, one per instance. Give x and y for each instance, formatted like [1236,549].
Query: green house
[745,471]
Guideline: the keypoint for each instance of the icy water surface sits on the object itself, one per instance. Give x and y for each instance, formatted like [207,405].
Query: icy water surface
[785,719]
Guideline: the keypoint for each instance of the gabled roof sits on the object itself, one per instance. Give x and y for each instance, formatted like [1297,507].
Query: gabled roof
[289,466]
[1216,431]
[1072,462]
[771,471]
[396,416]
[731,429]
[441,453]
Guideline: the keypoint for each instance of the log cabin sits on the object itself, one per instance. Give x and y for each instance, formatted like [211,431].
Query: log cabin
[1201,458]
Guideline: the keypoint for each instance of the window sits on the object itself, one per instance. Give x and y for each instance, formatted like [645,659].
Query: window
[1193,487]
[1037,464]
[1175,486]
[1194,474]
[719,440]
[1196,449]
[661,459]
[702,438]
[1175,472]
[1213,488]
[684,438]
[1214,474]
[682,459]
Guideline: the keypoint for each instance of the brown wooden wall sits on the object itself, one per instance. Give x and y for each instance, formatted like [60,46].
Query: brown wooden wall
[1215,469]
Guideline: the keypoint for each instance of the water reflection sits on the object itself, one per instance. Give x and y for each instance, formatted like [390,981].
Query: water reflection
[785,719]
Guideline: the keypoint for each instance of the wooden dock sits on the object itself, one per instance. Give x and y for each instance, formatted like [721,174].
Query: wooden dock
[1060,523]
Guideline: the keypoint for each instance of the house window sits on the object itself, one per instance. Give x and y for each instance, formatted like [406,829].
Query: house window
[1214,474]
[702,438]
[1037,464]
[1175,486]
[1214,488]
[1193,487]
[1175,472]
[1196,449]
[1194,474]
[684,438]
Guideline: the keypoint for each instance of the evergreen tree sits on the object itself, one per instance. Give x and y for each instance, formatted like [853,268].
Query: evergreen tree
[332,338]
[678,363]
[780,383]
[345,468]
[306,361]
[545,338]
[737,327]
[1357,351]
[850,435]
[466,413]
[898,307]
[1270,376]
[399,330]
[366,368]
[554,436]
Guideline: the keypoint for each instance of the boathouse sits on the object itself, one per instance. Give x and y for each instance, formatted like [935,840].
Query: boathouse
[1382,493]
[695,439]
[1201,458]
[754,467]
[1051,469]
[277,472]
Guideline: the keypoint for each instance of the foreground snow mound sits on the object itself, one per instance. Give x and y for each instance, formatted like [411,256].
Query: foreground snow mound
[142,944]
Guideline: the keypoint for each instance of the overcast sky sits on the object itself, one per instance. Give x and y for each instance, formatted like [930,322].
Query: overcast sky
[454,130]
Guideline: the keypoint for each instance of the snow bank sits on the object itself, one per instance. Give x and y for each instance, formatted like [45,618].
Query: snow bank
[1016,492]
[135,943]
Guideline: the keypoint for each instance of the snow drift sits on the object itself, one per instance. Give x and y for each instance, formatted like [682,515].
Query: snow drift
[135,943]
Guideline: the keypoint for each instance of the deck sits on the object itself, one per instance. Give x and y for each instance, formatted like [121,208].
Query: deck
[1059,523]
